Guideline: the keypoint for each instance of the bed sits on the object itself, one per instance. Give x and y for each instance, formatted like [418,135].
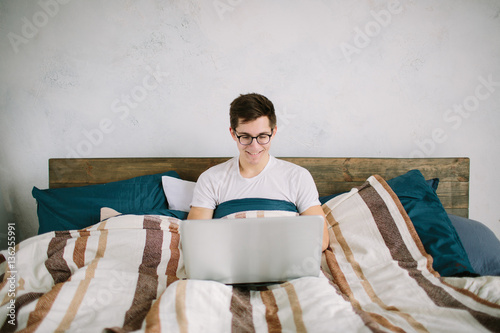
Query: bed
[402,257]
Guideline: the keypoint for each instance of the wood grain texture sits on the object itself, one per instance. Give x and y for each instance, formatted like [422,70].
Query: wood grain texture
[332,175]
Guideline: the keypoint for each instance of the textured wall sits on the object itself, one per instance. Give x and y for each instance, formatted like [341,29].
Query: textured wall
[154,78]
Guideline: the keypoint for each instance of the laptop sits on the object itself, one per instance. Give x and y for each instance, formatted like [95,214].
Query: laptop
[252,250]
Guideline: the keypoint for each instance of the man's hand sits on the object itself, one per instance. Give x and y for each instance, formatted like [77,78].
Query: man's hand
[317,210]
[199,213]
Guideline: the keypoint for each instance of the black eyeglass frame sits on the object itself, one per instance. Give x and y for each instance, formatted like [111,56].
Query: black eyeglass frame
[253,137]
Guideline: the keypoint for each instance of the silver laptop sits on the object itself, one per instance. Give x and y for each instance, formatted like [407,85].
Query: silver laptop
[252,250]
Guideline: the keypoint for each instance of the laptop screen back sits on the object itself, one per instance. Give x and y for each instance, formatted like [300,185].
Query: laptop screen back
[252,250]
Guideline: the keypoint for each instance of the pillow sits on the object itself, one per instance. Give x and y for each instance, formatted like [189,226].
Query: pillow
[432,224]
[434,182]
[79,207]
[372,234]
[179,193]
[107,213]
[480,243]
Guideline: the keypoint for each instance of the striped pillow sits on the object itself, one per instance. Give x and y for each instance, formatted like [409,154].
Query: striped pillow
[370,227]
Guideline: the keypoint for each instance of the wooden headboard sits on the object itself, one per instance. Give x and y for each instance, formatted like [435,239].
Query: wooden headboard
[332,175]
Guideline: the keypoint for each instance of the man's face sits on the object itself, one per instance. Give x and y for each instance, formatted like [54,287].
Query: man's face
[254,152]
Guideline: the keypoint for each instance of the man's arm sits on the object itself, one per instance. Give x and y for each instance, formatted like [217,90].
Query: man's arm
[317,210]
[200,213]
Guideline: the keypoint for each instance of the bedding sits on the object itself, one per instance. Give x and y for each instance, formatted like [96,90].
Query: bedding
[126,274]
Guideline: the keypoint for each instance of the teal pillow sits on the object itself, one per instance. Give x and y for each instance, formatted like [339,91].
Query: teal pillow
[434,182]
[79,207]
[432,224]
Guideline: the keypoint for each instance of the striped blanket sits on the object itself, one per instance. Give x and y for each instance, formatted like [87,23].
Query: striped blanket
[126,274]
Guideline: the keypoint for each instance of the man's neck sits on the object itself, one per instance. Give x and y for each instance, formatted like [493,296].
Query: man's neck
[248,170]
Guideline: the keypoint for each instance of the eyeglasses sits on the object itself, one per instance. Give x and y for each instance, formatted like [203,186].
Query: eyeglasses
[247,140]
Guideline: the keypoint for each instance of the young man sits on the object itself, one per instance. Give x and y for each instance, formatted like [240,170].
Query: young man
[255,173]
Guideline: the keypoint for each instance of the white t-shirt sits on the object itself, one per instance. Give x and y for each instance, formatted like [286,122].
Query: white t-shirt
[280,180]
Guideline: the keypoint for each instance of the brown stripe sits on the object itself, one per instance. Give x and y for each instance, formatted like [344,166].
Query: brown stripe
[241,309]
[175,254]
[402,255]
[3,277]
[115,329]
[470,294]
[371,320]
[374,321]
[273,321]
[20,302]
[180,306]
[6,298]
[409,224]
[296,308]
[387,227]
[80,248]
[83,286]
[147,282]
[153,323]
[368,287]
[42,308]
[55,263]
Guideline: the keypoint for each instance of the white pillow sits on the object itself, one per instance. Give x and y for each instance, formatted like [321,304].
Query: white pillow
[179,193]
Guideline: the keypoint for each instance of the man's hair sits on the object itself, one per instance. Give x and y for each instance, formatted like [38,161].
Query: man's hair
[249,107]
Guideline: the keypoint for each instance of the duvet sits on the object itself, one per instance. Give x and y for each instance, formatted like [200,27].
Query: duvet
[125,274]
